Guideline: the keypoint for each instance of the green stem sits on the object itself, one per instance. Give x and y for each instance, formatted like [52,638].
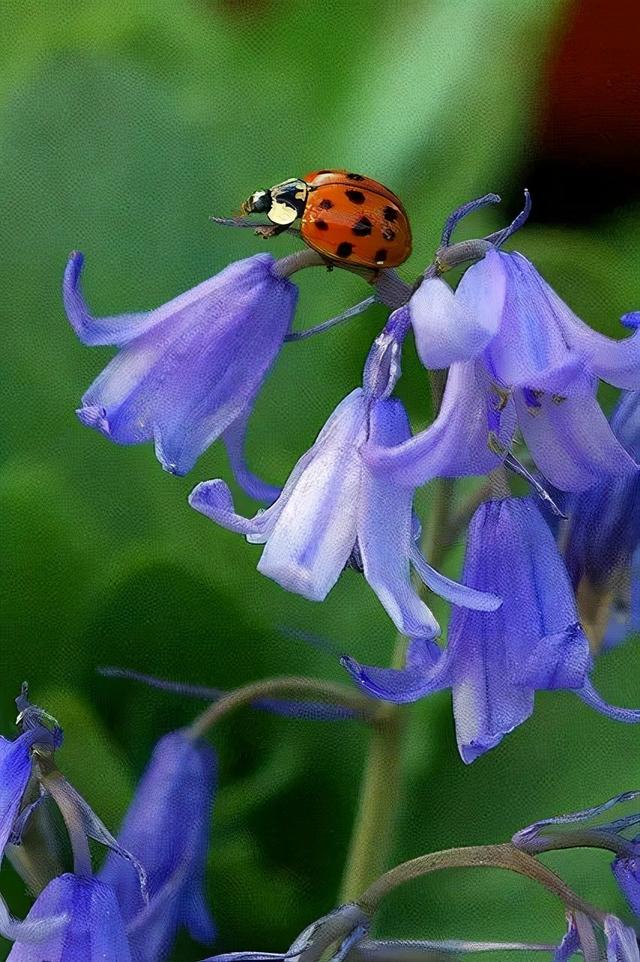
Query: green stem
[505,856]
[372,835]
[294,686]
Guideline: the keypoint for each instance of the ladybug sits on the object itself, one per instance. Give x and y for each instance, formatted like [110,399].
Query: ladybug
[348,218]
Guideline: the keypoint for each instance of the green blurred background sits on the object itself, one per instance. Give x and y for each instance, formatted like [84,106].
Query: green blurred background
[122,128]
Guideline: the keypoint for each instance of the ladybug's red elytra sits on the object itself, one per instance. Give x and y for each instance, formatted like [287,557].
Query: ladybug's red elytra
[346,217]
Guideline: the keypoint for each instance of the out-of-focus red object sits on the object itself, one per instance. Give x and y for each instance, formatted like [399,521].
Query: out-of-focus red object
[592,109]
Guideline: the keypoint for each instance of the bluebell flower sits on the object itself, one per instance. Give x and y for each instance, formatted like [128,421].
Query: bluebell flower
[612,825]
[167,828]
[495,661]
[604,528]
[15,773]
[93,931]
[517,354]
[333,511]
[187,372]
[341,929]
[622,942]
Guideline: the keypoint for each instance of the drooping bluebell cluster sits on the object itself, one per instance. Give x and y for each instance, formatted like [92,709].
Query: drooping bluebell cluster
[536,601]
[518,360]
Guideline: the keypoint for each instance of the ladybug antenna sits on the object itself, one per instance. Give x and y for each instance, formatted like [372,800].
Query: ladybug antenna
[246,222]
[334,321]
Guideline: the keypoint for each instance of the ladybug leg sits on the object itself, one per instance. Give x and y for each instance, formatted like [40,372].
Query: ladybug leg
[267,231]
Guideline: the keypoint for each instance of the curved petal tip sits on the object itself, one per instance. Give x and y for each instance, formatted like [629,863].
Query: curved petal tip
[94,416]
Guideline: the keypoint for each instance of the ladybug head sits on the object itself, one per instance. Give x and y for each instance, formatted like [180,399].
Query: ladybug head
[283,204]
[258,203]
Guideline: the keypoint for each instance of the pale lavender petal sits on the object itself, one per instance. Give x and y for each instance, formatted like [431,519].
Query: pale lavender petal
[28,931]
[570,943]
[571,440]
[614,361]
[500,657]
[453,591]
[529,341]
[622,942]
[452,327]
[214,500]
[385,530]
[438,451]
[558,660]
[316,530]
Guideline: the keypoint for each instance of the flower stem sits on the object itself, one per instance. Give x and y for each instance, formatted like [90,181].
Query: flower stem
[328,692]
[378,803]
[505,856]
[52,782]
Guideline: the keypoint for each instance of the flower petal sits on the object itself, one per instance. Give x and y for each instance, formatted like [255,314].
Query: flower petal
[15,771]
[214,500]
[571,440]
[438,451]
[529,342]
[425,672]
[622,941]
[570,943]
[385,530]
[452,327]
[185,380]
[94,931]
[559,660]
[614,361]
[167,826]
[453,591]
[116,330]
[28,931]
[627,874]
[251,484]
[315,532]
[591,697]
[499,657]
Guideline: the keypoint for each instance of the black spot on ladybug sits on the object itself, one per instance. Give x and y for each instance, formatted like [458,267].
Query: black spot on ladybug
[388,234]
[380,256]
[355,177]
[355,196]
[390,213]
[325,172]
[325,204]
[344,249]
[322,225]
[362,228]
